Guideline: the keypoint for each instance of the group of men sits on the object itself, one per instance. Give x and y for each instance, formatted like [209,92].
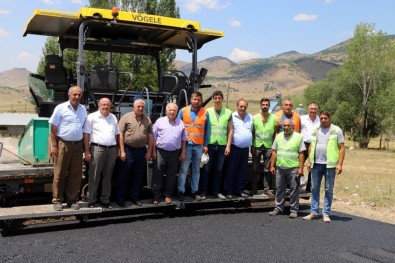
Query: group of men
[177,142]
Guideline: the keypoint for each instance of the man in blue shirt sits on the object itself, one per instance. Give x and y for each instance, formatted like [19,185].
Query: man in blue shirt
[241,143]
[67,122]
[195,119]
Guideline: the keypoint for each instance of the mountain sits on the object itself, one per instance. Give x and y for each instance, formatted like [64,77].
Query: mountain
[287,73]
[14,90]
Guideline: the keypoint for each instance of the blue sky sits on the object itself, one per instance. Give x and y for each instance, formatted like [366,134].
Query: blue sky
[253,28]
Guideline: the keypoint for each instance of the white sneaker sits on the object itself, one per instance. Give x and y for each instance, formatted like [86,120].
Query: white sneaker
[221,196]
[310,217]
[326,218]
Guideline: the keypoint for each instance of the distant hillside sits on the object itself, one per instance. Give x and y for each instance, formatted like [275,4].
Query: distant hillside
[289,73]
[14,90]
[14,78]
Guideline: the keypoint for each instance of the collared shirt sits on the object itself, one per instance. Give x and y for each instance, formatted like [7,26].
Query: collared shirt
[307,127]
[168,136]
[242,130]
[69,122]
[193,117]
[135,132]
[102,129]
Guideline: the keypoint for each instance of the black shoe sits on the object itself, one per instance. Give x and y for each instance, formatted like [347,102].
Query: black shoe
[106,205]
[91,204]
[181,197]
[120,203]
[138,203]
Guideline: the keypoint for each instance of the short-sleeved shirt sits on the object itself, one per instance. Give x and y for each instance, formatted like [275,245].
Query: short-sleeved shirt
[308,126]
[168,136]
[242,130]
[320,148]
[135,132]
[69,122]
[102,129]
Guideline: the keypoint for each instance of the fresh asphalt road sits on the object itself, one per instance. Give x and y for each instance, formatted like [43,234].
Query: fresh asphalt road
[203,236]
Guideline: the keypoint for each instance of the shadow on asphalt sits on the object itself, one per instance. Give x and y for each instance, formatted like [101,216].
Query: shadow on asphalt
[18,228]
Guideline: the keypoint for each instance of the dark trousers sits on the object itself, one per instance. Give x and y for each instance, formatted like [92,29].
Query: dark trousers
[167,163]
[236,170]
[131,173]
[269,180]
[216,154]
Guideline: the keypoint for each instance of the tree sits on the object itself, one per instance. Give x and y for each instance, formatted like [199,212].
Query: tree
[143,68]
[367,63]
[356,91]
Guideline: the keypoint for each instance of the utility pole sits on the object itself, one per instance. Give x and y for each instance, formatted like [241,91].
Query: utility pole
[227,95]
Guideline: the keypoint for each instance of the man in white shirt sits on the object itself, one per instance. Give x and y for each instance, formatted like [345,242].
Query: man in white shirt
[67,123]
[101,137]
[309,122]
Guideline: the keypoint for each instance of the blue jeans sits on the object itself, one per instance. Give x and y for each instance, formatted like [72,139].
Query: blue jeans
[216,154]
[318,171]
[193,154]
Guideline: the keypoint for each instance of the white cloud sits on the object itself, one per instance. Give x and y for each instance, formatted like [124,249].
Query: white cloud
[238,55]
[78,2]
[4,12]
[27,60]
[51,2]
[328,1]
[305,17]
[3,33]
[195,5]
[234,22]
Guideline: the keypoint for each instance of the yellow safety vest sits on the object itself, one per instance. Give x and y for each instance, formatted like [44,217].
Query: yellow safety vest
[288,153]
[332,147]
[219,127]
[264,132]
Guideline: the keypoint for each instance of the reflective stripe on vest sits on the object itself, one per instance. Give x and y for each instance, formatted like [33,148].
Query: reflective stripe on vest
[332,147]
[219,126]
[264,132]
[194,129]
[288,153]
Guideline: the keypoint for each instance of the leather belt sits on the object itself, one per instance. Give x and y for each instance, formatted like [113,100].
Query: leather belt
[69,142]
[103,146]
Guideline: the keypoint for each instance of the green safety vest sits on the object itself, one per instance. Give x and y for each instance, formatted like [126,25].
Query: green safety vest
[288,153]
[332,147]
[219,127]
[264,132]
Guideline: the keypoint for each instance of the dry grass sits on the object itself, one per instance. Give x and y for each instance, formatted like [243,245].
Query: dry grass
[366,187]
